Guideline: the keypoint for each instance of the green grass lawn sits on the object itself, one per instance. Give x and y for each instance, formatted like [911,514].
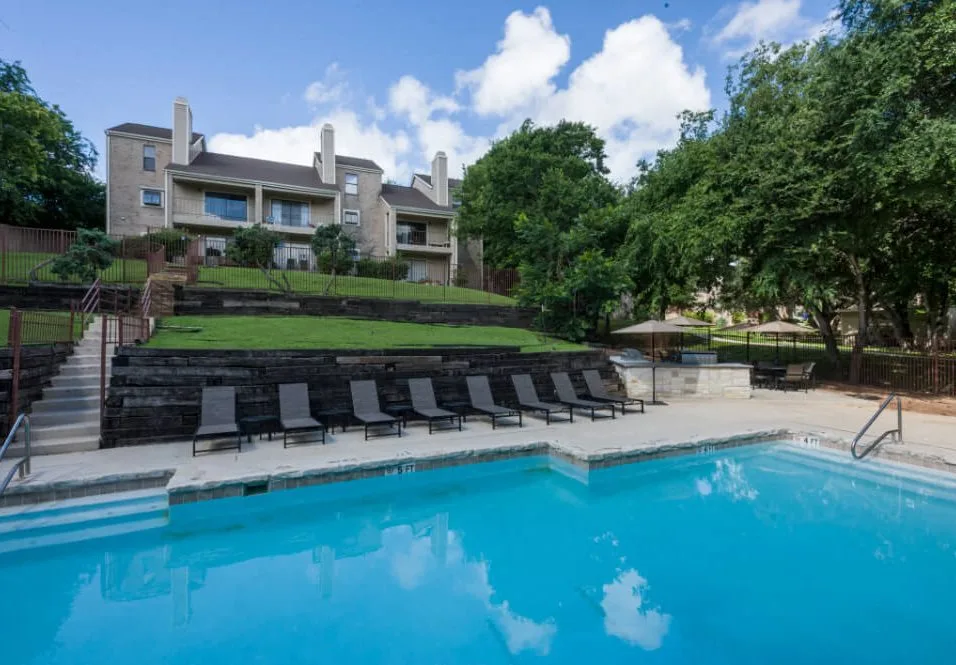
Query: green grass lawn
[41,327]
[15,268]
[308,332]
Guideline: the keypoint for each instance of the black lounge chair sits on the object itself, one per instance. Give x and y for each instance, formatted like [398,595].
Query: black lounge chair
[295,414]
[217,417]
[528,399]
[566,395]
[598,391]
[479,392]
[366,409]
[423,404]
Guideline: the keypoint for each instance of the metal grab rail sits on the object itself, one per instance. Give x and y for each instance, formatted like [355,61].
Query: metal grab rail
[896,433]
[22,465]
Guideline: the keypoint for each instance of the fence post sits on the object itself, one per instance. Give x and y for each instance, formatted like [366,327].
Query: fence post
[70,332]
[104,318]
[14,342]
[748,347]
[3,253]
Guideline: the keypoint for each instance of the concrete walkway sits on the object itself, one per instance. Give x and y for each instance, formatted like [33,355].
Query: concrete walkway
[929,441]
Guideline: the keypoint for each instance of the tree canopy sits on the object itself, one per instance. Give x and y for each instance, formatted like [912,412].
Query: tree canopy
[46,166]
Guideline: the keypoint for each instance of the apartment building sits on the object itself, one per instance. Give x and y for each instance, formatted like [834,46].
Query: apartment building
[166,178]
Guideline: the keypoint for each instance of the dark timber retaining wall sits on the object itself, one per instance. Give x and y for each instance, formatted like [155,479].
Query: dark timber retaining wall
[38,364]
[154,394]
[56,296]
[193,300]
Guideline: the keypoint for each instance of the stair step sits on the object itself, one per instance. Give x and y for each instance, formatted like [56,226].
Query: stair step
[56,445]
[71,369]
[72,380]
[93,514]
[61,525]
[49,433]
[43,419]
[79,390]
[60,506]
[51,403]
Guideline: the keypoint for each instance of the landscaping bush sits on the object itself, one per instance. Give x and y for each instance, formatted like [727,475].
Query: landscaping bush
[333,249]
[92,252]
[394,269]
[175,241]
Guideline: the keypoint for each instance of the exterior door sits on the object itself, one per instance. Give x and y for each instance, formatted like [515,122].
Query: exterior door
[417,270]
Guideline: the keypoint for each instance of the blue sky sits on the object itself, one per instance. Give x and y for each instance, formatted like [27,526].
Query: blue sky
[398,80]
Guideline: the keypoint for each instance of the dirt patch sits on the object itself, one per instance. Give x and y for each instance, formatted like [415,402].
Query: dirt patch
[929,404]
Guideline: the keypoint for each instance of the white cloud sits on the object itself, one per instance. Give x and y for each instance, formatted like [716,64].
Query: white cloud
[520,71]
[764,19]
[631,90]
[297,144]
[781,21]
[331,89]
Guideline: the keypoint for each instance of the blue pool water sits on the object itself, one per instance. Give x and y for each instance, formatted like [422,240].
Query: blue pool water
[752,555]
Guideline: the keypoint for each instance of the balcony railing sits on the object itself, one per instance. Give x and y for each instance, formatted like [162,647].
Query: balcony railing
[194,212]
[413,237]
[423,238]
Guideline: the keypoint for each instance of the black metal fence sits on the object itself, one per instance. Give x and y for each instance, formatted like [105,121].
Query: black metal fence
[921,370]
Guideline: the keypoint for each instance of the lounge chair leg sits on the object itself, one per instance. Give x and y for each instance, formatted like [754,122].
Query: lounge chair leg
[459,423]
[194,446]
[520,424]
[547,417]
[494,421]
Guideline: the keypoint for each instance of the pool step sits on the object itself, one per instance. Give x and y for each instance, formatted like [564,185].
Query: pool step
[75,520]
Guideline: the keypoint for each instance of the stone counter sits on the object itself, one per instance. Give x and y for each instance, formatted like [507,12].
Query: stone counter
[727,380]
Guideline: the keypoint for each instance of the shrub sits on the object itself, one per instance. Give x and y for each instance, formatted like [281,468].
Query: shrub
[253,246]
[333,249]
[92,252]
[175,241]
[391,268]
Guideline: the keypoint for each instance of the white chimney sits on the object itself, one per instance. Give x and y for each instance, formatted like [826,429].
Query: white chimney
[182,130]
[327,147]
[440,178]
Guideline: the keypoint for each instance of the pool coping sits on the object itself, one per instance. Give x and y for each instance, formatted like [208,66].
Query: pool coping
[182,489]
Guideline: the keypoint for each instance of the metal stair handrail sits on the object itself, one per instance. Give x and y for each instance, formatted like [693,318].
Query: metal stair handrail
[22,465]
[896,433]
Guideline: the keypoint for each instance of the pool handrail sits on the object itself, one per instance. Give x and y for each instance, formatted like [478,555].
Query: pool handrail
[22,465]
[897,433]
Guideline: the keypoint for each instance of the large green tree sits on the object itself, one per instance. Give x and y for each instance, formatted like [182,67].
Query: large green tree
[517,176]
[46,166]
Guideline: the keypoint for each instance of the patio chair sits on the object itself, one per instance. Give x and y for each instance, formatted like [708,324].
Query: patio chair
[795,378]
[528,399]
[808,374]
[479,392]
[295,416]
[763,375]
[423,404]
[217,417]
[366,409]
[564,390]
[598,391]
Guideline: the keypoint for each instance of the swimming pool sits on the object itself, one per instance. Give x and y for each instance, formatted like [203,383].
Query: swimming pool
[758,554]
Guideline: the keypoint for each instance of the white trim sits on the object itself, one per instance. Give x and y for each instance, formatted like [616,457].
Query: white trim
[421,180]
[358,214]
[127,135]
[420,211]
[346,167]
[107,183]
[162,197]
[223,180]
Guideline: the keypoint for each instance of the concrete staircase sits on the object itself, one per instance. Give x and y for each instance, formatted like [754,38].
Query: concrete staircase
[67,418]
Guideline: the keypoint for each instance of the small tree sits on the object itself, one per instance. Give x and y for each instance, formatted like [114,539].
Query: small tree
[254,247]
[92,252]
[334,251]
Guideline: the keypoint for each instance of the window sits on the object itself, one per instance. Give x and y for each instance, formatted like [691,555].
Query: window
[417,271]
[152,198]
[351,184]
[149,158]
[290,213]
[411,234]
[227,206]
[350,217]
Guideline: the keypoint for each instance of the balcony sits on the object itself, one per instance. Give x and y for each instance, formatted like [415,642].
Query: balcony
[195,213]
[422,239]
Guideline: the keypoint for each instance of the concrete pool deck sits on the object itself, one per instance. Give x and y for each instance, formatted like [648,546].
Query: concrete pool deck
[828,418]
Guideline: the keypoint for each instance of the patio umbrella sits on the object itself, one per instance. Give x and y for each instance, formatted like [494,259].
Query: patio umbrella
[652,328]
[777,328]
[687,322]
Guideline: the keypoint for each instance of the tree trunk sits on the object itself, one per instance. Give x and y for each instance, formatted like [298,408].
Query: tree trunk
[864,307]
[824,321]
[899,313]
[937,307]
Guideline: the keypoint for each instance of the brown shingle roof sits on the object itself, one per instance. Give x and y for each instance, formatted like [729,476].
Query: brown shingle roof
[246,168]
[408,197]
[149,130]
[358,162]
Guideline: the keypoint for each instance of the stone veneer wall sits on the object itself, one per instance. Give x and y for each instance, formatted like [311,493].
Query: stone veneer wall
[193,300]
[728,380]
[154,394]
[38,364]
